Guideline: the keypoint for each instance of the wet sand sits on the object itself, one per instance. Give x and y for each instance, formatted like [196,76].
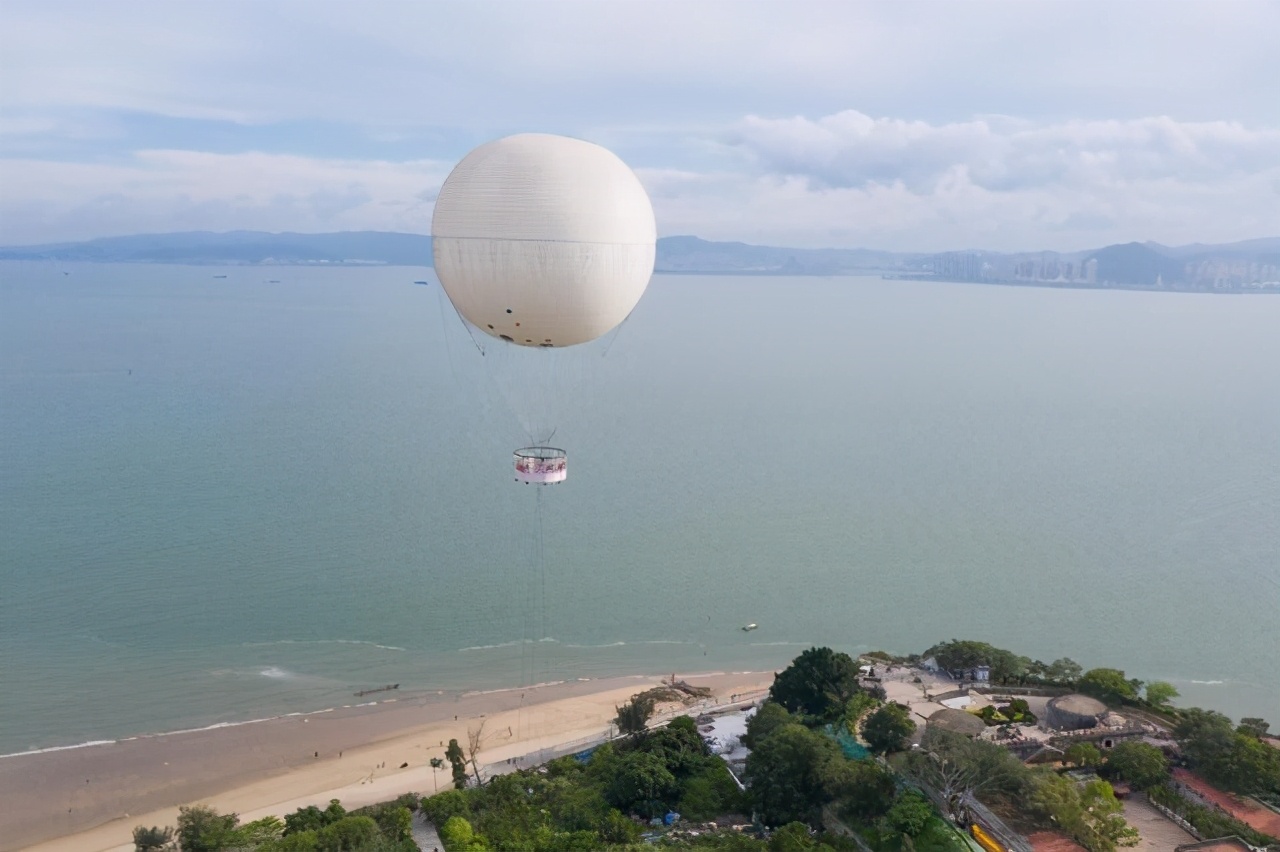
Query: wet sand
[90,798]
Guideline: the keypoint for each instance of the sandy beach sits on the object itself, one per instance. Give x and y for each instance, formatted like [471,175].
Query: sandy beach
[89,799]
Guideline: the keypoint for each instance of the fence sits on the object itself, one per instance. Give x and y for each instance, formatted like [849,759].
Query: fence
[1176,819]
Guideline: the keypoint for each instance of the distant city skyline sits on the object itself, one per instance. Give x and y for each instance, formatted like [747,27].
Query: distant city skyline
[905,127]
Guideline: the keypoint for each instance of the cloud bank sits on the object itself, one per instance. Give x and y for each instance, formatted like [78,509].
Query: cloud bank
[922,126]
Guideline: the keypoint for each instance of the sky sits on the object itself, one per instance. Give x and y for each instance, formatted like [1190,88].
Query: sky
[909,126]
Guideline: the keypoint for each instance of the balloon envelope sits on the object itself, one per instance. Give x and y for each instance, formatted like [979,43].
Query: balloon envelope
[543,240]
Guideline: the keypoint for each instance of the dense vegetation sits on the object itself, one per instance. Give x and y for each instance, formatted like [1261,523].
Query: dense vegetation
[378,828]
[1232,757]
[1208,821]
[829,759]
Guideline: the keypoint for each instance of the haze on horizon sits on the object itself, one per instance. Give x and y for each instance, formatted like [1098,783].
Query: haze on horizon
[900,126]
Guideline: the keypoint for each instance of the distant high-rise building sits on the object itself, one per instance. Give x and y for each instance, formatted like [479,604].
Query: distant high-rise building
[959,266]
[1090,270]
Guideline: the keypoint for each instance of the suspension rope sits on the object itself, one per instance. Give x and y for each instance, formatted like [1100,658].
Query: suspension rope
[612,336]
[542,568]
[465,324]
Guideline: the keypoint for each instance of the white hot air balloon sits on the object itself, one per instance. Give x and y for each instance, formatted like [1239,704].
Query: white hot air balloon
[543,241]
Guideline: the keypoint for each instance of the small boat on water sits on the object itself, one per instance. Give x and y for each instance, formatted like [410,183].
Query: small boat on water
[747,628]
[219,276]
[425,283]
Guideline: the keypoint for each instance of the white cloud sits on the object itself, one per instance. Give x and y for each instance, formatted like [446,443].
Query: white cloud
[851,149]
[189,190]
[1010,125]
[574,64]
[1004,184]
[845,180]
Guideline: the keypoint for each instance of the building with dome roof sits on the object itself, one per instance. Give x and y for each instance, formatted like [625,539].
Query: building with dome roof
[1074,712]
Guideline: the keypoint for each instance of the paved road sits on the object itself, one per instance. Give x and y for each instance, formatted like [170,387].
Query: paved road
[424,834]
[1159,833]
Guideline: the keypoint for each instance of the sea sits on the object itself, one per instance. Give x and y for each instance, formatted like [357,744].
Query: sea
[232,493]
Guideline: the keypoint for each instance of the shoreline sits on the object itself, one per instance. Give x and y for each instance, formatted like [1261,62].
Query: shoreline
[89,797]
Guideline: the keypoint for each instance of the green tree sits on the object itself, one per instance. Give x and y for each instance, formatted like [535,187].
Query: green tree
[642,784]
[1254,726]
[910,814]
[449,803]
[260,831]
[349,834]
[792,837]
[633,717]
[615,828]
[458,762]
[1109,685]
[459,836]
[710,793]
[395,821]
[818,683]
[1064,670]
[1160,693]
[962,655]
[1204,735]
[955,765]
[203,829]
[794,773]
[1083,754]
[1091,815]
[1236,760]
[678,745]
[312,818]
[1142,765]
[864,790]
[764,721]
[303,841]
[152,839]
[888,729]
[857,707]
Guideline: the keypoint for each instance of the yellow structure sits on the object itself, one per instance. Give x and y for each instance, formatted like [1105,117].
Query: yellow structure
[986,841]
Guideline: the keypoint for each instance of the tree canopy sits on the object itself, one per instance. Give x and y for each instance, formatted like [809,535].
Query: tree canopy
[771,715]
[1109,685]
[1089,814]
[1227,756]
[818,683]
[457,763]
[1083,754]
[961,655]
[633,717]
[1142,765]
[888,729]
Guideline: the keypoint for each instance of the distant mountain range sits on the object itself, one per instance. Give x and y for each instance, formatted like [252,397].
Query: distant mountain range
[1243,266]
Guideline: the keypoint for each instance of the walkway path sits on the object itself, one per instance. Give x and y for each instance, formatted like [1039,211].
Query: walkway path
[1159,833]
[424,834]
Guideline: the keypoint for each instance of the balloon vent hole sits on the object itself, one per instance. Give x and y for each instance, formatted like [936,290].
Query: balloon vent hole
[545,345]
[508,310]
[507,338]
[490,325]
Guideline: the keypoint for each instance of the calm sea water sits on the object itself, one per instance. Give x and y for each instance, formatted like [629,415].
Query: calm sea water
[223,498]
